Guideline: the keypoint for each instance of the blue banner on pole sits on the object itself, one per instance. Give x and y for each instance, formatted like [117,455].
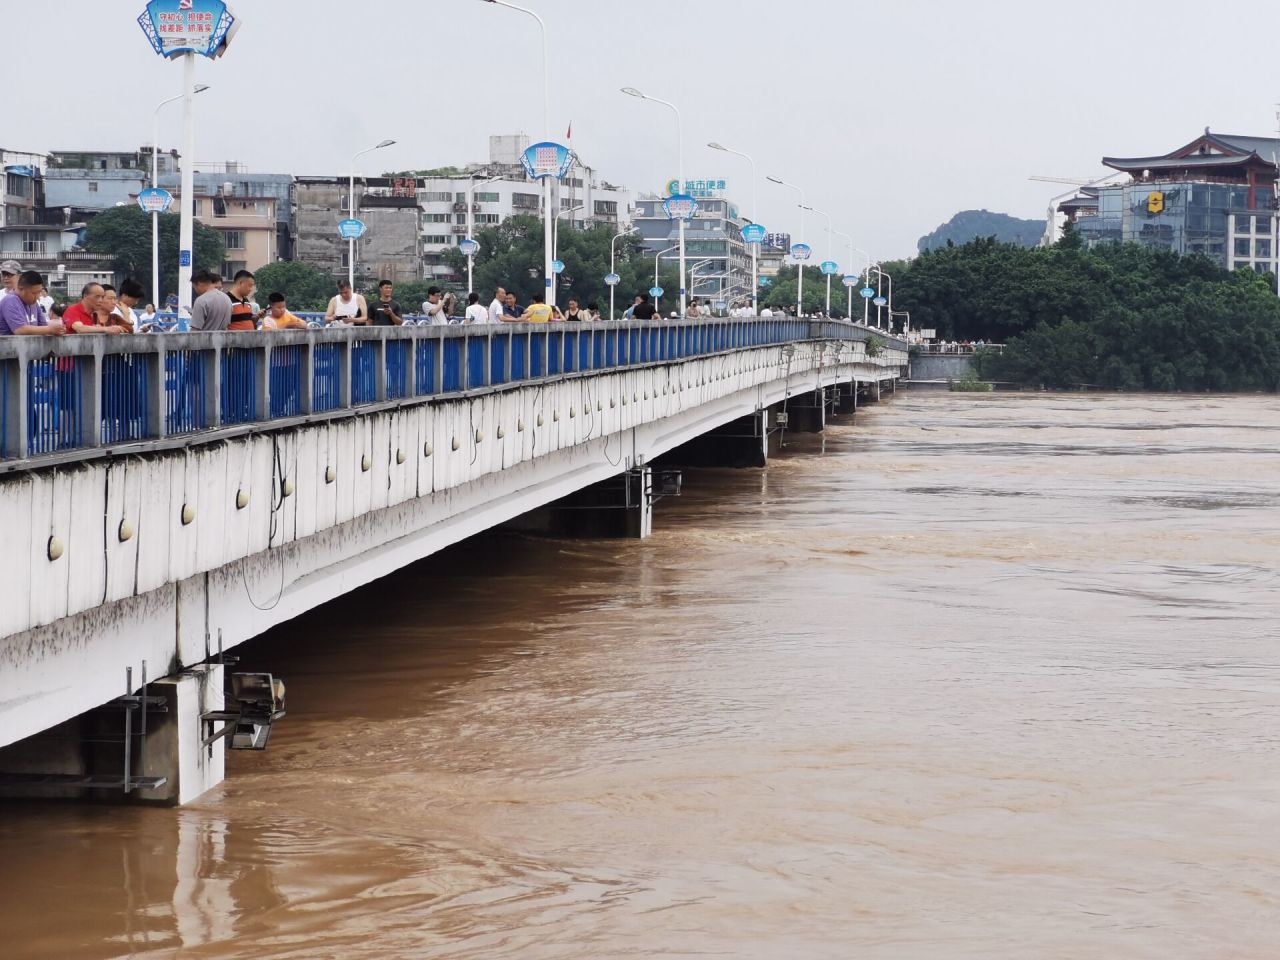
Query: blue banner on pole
[184,258]
[656,291]
[547,159]
[801,251]
[557,266]
[829,268]
[867,292]
[351,229]
[612,279]
[175,27]
[154,200]
[468,247]
[850,280]
[754,233]
[680,206]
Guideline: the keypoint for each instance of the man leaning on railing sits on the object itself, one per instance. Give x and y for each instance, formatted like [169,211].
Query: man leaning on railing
[22,315]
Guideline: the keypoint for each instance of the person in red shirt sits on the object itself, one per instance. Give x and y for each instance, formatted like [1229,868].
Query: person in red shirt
[82,317]
[243,315]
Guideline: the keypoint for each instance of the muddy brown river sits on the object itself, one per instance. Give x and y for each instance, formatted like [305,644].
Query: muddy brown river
[977,676]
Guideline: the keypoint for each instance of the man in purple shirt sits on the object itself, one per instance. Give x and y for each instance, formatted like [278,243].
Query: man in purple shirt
[20,314]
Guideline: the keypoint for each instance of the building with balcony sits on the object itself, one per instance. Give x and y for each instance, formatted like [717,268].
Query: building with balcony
[247,224]
[583,198]
[1214,196]
[713,241]
[232,178]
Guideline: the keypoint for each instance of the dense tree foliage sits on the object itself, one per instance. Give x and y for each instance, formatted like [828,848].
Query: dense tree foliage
[511,256]
[1122,317]
[124,234]
[304,287]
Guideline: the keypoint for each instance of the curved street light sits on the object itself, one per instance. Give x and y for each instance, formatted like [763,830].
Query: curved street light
[799,263]
[351,209]
[755,247]
[155,167]
[633,92]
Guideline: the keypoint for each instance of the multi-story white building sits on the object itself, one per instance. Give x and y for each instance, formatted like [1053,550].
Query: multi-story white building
[584,199]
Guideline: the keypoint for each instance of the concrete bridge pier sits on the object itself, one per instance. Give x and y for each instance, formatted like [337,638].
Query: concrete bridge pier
[621,506]
[846,399]
[150,746]
[807,413]
[745,442]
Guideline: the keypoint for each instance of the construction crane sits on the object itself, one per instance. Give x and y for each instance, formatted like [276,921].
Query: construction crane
[1051,220]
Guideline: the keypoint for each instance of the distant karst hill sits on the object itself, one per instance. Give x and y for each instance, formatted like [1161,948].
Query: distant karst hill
[972,224]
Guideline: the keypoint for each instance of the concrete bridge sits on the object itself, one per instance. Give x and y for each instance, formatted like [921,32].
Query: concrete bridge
[164,498]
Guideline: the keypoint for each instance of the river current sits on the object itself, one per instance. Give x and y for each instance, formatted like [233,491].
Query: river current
[970,676]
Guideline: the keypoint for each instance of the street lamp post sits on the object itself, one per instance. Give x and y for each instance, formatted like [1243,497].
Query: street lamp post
[548,240]
[799,263]
[852,251]
[657,258]
[633,92]
[612,269]
[755,247]
[351,210]
[881,275]
[471,195]
[829,239]
[155,177]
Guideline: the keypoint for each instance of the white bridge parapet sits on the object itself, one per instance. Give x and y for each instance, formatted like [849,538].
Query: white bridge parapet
[158,552]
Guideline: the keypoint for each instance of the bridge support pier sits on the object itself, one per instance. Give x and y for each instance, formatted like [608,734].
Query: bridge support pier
[621,506]
[808,413]
[846,399]
[113,754]
[746,442]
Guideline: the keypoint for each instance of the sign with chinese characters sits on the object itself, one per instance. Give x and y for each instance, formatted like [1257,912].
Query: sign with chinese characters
[829,268]
[154,200]
[175,27]
[703,189]
[656,291]
[547,159]
[351,229]
[777,241]
[879,301]
[801,252]
[557,266]
[468,247]
[867,292]
[680,206]
[850,279]
[184,258]
[929,334]
[753,233]
[612,279]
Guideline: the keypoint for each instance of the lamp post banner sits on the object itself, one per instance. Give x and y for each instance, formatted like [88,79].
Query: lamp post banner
[154,200]
[867,292]
[656,291]
[850,280]
[879,301]
[175,27]
[829,268]
[612,279]
[801,251]
[680,206]
[468,247]
[754,233]
[351,229]
[547,159]
[557,266]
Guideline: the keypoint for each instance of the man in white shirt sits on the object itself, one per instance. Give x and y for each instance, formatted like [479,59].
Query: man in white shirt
[476,313]
[495,308]
[433,308]
[766,312]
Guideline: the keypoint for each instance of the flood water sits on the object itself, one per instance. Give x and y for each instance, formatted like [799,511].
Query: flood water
[977,676]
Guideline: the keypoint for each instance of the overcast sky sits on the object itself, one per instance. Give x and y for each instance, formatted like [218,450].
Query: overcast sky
[892,115]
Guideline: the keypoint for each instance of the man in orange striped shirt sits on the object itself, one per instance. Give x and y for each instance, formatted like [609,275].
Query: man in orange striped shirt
[243,316]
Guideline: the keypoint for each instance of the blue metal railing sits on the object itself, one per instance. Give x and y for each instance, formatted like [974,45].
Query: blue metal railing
[186,377]
[240,384]
[77,393]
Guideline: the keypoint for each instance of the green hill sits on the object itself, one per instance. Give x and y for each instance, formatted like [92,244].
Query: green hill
[979,224]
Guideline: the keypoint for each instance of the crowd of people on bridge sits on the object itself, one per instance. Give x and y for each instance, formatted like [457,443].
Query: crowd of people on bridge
[27,308]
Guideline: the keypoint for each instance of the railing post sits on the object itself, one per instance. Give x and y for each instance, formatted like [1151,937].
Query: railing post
[438,333]
[380,367]
[411,375]
[90,386]
[344,376]
[213,385]
[262,383]
[155,393]
[16,400]
[306,389]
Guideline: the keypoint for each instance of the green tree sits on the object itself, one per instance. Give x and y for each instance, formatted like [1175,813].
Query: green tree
[305,287]
[511,256]
[124,235]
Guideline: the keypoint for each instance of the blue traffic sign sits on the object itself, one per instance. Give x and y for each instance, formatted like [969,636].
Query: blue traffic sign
[557,266]
[184,258]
